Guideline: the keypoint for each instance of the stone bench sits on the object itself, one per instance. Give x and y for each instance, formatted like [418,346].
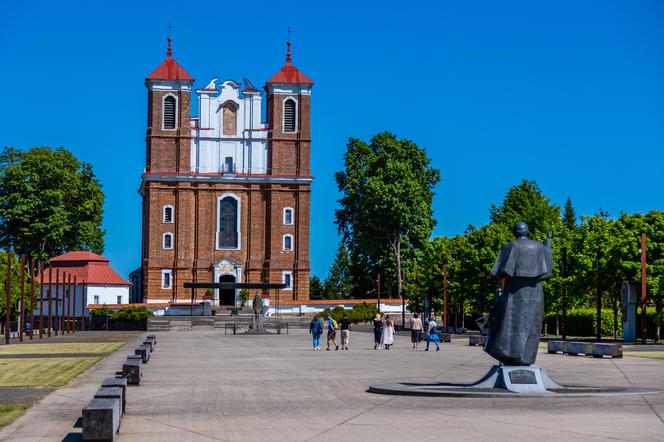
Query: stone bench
[117,383]
[152,337]
[476,339]
[445,337]
[112,393]
[234,311]
[144,352]
[579,348]
[553,347]
[611,349]
[132,370]
[149,343]
[101,419]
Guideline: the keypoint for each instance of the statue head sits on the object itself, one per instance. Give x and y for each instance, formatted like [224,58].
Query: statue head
[520,230]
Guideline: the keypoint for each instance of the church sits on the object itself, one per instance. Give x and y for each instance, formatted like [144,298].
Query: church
[226,193]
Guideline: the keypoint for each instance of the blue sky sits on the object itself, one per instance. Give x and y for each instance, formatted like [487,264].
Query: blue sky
[568,93]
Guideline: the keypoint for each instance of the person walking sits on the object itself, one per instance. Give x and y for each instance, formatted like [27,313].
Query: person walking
[378,331]
[316,329]
[345,327]
[332,327]
[416,330]
[388,333]
[432,333]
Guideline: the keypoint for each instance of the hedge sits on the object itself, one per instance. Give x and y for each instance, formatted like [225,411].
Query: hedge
[583,322]
[359,313]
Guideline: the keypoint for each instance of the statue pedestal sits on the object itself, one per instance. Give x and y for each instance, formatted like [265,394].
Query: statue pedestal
[517,379]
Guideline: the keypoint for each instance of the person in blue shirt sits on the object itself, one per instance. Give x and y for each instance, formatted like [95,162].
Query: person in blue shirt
[316,329]
[332,332]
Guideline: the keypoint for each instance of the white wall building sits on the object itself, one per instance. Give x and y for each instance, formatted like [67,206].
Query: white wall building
[94,281]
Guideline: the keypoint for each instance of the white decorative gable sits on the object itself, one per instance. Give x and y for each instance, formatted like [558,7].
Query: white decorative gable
[228,137]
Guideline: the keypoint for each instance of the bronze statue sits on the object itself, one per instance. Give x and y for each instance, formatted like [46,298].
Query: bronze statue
[516,321]
[257,305]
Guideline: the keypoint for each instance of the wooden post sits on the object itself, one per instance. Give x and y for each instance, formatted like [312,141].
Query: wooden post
[74,315]
[378,292]
[83,303]
[445,295]
[564,300]
[8,289]
[644,328]
[42,270]
[50,302]
[68,298]
[32,296]
[21,311]
[57,302]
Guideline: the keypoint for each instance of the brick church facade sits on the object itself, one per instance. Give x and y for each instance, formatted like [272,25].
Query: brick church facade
[225,193]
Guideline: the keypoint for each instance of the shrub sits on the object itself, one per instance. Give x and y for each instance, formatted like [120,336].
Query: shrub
[359,313]
[101,311]
[132,313]
[583,322]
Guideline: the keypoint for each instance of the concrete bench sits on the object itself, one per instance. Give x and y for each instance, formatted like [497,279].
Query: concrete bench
[132,370]
[578,348]
[611,349]
[149,343]
[553,347]
[445,337]
[234,311]
[476,340]
[101,419]
[117,383]
[112,393]
[144,352]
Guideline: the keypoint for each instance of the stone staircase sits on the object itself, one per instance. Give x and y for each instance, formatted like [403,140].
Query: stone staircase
[218,322]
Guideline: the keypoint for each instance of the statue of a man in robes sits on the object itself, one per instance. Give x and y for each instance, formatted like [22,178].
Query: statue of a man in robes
[517,319]
[257,306]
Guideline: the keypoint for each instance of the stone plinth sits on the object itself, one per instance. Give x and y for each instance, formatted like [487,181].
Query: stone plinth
[101,419]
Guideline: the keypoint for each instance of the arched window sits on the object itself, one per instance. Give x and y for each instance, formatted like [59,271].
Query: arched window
[167,242]
[288,216]
[169,117]
[230,118]
[288,243]
[289,115]
[168,214]
[228,229]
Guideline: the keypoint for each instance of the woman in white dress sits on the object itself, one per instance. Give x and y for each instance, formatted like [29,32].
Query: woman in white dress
[388,333]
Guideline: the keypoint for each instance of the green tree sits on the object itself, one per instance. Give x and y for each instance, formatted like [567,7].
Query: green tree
[387,188]
[316,289]
[338,282]
[526,202]
[569,215]
[50,202]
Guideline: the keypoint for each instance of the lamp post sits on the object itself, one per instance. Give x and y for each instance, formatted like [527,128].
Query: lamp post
[378,288]
[445,296]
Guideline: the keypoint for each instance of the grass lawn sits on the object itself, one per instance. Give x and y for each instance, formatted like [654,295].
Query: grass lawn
[646,354]
[42,372]
[101,348]
[8,413]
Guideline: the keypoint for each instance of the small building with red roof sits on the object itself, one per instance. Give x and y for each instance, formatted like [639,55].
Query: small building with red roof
[81,278]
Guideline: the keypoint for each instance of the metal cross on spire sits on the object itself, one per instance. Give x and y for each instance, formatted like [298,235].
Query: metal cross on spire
[288,54]
[169,51]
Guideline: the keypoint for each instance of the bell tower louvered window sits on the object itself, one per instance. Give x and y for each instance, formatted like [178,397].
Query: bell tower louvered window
[169,112]
[289,115]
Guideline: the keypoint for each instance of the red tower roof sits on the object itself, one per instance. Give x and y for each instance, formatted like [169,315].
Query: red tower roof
[289,74]
[169,69]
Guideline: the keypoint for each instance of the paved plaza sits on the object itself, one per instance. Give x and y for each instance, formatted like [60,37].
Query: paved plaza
[204,385]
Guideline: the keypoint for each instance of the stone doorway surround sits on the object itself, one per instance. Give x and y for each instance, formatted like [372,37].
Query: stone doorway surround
[229,267]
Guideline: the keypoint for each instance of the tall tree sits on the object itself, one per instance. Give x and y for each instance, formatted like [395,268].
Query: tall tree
[526,202]
[387,189]
[338,283]
[50,202]
[569,215]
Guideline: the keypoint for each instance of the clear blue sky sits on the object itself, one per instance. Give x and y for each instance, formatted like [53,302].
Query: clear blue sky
[569,93]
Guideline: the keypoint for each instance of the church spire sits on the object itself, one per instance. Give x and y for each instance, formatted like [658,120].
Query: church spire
[169,51]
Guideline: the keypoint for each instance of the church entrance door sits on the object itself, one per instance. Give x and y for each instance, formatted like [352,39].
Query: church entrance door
[227,296]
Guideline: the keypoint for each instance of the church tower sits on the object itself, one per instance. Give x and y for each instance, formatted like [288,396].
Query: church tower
[226,193]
